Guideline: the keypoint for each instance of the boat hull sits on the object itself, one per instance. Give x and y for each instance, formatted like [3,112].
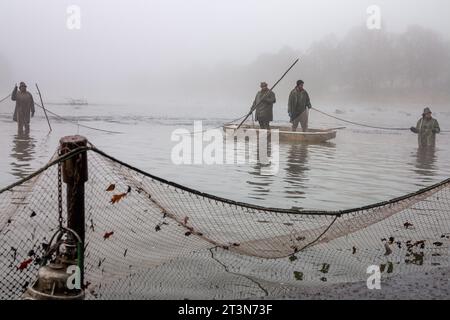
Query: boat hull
[287,135]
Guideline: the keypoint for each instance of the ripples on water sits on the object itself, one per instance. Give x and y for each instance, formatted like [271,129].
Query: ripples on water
[359,167]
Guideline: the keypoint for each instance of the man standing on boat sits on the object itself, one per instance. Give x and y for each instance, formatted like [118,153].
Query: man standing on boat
[24,107]
[299,105]
[427,128]
[263,105]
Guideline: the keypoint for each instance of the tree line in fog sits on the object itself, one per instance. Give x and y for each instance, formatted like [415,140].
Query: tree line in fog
[364,65]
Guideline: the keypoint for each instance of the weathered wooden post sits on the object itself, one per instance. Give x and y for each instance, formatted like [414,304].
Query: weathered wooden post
[75,175]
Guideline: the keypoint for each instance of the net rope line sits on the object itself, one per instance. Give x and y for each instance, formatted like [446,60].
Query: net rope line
[364,125]
[349,227]
[68,120]
[142,262]
[229,122]
[338,213]
[76,124]
[210,129]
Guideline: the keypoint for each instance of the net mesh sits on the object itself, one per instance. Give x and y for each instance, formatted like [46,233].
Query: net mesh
[160,240]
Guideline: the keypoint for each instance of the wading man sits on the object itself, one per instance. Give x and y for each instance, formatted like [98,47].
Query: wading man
[263,103]
[299,105]
[427,128]
[24,107]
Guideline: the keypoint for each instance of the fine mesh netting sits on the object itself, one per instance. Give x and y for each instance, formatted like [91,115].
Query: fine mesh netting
[161,240]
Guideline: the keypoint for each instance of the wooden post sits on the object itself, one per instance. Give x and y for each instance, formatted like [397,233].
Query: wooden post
[75,174]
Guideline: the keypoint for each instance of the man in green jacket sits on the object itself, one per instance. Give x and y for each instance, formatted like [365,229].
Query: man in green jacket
[24,107]
[427,128]
[299,105]
[263,105]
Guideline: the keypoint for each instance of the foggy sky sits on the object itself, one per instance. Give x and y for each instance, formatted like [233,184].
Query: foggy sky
[124,43]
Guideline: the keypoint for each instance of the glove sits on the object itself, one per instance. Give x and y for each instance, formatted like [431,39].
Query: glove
[414,130]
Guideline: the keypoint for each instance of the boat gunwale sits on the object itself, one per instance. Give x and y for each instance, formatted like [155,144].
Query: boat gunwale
[324,132]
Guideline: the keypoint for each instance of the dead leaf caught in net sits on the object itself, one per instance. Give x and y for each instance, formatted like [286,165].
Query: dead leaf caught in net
[388,249]
[298,275]
[24,264]
[108,235]
[117,197]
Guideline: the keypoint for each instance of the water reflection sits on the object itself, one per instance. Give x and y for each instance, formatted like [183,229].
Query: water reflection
[425,163]
[296,171]
[23,150]
[263,172]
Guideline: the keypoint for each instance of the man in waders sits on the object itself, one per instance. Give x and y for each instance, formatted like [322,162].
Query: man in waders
[299,105]
[427,128]
[263,102]
[24,107]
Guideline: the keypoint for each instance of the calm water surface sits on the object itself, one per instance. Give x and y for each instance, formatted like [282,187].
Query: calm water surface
[362,166]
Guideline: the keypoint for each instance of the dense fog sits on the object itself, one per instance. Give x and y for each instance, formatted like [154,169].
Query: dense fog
[211,52]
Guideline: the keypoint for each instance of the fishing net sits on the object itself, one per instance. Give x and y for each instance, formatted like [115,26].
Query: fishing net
[147,238]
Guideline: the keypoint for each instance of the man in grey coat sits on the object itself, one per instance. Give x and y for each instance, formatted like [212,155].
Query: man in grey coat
[24,107]
[263,105]
[427,128]
[299,105]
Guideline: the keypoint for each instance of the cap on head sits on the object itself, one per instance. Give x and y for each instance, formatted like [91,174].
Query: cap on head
[264,84]
[22,84]
[300,82]
[426,111]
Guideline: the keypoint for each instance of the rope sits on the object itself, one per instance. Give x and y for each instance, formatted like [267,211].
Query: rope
[9,95]
[206,130]
[360,124]
[76,124]
[365,125]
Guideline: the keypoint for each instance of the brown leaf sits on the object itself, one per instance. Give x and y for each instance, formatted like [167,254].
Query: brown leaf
[111,187]
[438,244]
[388,249]
[107,235]
[187,234]
[117,197]
[408,225]
[24,264]
[185,221]
[354,250]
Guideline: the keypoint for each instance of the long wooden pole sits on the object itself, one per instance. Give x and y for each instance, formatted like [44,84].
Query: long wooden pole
[273,87]
[43,107]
